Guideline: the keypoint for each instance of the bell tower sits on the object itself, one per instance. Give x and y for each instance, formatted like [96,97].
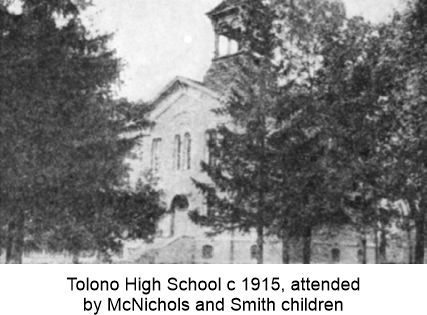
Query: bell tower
[228,23]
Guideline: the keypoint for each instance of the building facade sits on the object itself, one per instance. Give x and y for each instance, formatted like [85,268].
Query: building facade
[172,152]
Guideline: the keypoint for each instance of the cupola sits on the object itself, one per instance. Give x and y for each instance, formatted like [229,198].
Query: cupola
[228,24]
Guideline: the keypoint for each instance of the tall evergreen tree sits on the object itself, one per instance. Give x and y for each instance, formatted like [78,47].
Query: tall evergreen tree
[239,196]
[62,147]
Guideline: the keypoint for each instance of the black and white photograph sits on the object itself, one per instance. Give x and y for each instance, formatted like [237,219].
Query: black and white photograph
[213,131]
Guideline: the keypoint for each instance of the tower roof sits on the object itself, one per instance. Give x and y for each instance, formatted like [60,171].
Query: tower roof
[225,6]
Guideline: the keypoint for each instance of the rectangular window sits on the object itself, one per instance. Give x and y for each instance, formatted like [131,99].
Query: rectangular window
[211,142]
[210,207]
[223,46]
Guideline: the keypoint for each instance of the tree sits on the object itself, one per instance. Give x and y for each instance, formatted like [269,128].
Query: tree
[305,195]
[409,102]
[355,88]
[239,195]
[62,144]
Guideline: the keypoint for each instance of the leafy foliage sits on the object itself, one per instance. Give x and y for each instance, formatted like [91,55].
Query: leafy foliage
[338,134]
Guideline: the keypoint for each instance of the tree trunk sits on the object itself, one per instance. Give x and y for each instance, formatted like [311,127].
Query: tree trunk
[410,246]
[285,248]
[419,232]
[377,246]
[15,239]
[260,244]
[9,241]
[306,250]
[364,242]
[76,256]
[383,246]
[172,223]
[232,247]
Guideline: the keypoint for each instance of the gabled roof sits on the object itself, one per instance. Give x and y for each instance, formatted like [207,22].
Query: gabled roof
[178,82]
[223,6]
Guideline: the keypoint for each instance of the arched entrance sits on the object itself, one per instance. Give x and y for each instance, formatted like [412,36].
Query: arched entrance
[178,213]
[179,202]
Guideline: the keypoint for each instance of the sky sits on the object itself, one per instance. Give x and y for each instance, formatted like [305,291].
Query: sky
[158,40]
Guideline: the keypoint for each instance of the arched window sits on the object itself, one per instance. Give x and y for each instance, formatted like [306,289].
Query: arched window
[177,152]
[335,255]
[254,252]
[186,156]
[207,251]
[155,154]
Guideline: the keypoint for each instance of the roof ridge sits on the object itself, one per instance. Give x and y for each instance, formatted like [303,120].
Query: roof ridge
[185,80]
